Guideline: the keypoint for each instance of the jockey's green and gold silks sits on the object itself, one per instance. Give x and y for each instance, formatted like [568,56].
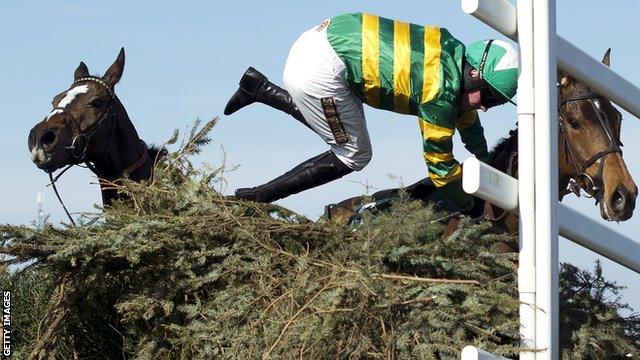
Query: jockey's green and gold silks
[412,69]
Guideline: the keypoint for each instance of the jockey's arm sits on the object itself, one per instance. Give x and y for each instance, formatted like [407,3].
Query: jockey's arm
[472,135]
[444,170]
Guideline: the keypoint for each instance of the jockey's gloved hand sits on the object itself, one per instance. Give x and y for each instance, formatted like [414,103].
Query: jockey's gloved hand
[477,210]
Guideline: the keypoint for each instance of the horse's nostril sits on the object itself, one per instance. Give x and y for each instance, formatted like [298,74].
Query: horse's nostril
[48,138]
[619,200]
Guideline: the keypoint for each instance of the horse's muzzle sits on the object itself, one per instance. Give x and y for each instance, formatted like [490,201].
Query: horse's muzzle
[43,160]
[620,205]
[46,145]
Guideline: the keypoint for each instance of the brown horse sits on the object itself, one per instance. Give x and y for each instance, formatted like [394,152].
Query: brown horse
[89,124]
[589,158]
[589,149]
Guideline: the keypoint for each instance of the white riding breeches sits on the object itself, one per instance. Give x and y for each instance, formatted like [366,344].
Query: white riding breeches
[314,71]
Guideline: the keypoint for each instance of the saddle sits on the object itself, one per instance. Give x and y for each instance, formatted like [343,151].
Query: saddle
[350,211]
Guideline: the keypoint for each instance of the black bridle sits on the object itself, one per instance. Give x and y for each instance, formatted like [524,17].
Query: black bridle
[81,140]
[594,185]
[79,144]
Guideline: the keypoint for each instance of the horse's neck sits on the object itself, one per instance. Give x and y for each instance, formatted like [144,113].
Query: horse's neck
[124,149]
[506,159]
[507,162]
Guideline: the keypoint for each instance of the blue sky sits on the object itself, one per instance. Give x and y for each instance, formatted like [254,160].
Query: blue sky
[184,59]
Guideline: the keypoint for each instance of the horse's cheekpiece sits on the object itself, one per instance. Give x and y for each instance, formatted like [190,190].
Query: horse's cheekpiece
[81,139]
[594,186]
[78,147]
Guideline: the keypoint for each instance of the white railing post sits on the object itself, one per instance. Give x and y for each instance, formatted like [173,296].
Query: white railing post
[501,15]
[599,239]
[490,184]
[576,227]
[546,179]
[535,28]
[473,353]
[526,174]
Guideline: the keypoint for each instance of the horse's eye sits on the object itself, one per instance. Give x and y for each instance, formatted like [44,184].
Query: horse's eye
[574,123]
[97,103]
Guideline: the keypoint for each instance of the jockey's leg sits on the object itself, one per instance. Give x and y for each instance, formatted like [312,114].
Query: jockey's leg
[342,159]
[314,172]
[313,78]
[254,86]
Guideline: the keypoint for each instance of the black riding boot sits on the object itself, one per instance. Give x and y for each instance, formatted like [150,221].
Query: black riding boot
[256,87]
[314,172]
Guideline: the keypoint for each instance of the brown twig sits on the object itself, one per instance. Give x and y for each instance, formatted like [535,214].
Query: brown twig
[290,321]
[333,311]
[58,314]
[40,350]
[403,277]
[375,275]
[53,309]
[408,302]
[426,280]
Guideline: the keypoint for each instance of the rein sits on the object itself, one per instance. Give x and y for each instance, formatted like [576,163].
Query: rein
[595,188]
[79,144]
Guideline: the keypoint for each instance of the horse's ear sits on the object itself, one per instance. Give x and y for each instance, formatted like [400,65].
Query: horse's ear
[81,71]
[606,58]
[114,73]
[563,78]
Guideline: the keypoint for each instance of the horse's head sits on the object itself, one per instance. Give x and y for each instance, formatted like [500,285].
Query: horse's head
[81,121]
[590,154]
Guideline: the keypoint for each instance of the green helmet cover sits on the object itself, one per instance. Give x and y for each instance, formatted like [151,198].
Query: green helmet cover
[501,65]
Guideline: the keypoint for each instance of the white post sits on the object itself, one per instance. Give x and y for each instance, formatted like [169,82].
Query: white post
[490,184]
[473,353]
[598,77]
[526,187]
[598,238]
[551,51]
[499,188]
[546,179]
[499,14]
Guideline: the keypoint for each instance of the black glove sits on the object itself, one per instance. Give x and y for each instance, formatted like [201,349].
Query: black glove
[477,210]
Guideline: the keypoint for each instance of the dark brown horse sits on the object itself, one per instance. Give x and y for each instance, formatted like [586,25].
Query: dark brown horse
[589,158]
[89,124]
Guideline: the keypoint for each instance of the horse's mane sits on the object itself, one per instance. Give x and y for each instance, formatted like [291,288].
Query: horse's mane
[156,153]
[502,145]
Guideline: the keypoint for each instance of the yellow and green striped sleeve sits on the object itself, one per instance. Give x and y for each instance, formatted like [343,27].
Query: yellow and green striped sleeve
[437,151]
[472,135]
[444,170]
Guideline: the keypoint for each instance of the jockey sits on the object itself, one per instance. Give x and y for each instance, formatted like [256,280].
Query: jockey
[351,59]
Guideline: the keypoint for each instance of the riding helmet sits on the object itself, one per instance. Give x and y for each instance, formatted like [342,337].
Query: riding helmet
[497,62]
